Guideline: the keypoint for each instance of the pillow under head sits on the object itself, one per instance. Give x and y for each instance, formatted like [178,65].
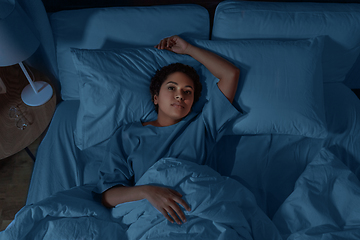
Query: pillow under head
[114,89]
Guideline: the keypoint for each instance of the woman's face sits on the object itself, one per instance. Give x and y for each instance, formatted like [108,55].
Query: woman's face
[175,99]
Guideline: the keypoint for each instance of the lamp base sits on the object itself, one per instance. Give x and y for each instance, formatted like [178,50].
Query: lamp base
[31,98]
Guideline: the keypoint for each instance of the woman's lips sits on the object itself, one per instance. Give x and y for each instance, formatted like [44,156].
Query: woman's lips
[177,105]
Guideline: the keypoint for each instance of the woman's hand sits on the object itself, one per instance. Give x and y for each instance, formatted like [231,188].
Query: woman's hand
[166,201]
[174,44]
[163,199]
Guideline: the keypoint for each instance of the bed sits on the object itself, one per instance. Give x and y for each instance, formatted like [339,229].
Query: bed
[287,167]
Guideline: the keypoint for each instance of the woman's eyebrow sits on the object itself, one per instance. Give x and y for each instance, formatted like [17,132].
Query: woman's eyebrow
[172,82]
[178,84]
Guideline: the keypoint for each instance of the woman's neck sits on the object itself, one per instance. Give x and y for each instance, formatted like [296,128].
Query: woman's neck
[161,123]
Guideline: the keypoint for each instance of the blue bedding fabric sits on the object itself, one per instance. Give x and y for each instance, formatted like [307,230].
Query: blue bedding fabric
[323,205]
[221,209]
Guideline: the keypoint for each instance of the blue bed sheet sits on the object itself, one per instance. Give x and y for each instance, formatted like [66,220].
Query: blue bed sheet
[60,160]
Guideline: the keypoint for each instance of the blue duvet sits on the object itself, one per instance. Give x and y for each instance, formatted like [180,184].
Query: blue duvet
[324,204]
[221,208]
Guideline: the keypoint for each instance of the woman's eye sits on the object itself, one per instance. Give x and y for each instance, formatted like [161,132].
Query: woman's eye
[188,92]
[171,88]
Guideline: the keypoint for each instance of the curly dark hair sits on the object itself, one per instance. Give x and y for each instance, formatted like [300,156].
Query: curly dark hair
[162,74]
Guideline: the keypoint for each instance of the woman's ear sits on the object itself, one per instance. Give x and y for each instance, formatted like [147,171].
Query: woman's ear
[156,99]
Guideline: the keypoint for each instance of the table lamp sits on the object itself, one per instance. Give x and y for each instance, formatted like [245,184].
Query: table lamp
[17,43]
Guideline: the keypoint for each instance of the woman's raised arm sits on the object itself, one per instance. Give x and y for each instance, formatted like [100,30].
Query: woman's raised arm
[226,72]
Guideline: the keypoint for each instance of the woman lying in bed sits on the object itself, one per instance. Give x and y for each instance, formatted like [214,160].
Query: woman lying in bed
[177,132]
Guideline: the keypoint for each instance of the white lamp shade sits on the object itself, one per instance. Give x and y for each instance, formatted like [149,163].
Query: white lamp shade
[17,40]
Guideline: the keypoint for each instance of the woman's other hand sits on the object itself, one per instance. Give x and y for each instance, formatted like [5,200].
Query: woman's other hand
[166,200]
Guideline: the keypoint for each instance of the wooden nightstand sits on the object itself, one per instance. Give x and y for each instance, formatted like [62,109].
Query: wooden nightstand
[12,139]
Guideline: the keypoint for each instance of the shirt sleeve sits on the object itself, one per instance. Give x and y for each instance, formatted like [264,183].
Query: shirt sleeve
[115,169]
[217,113]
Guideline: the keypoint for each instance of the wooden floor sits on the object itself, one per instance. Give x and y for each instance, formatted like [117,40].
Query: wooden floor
[15,174]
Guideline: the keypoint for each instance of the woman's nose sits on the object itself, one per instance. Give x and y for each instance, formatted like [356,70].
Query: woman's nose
[179,96]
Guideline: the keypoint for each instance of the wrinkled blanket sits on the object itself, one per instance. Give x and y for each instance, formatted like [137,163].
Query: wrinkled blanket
[221,208]
[324,205]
